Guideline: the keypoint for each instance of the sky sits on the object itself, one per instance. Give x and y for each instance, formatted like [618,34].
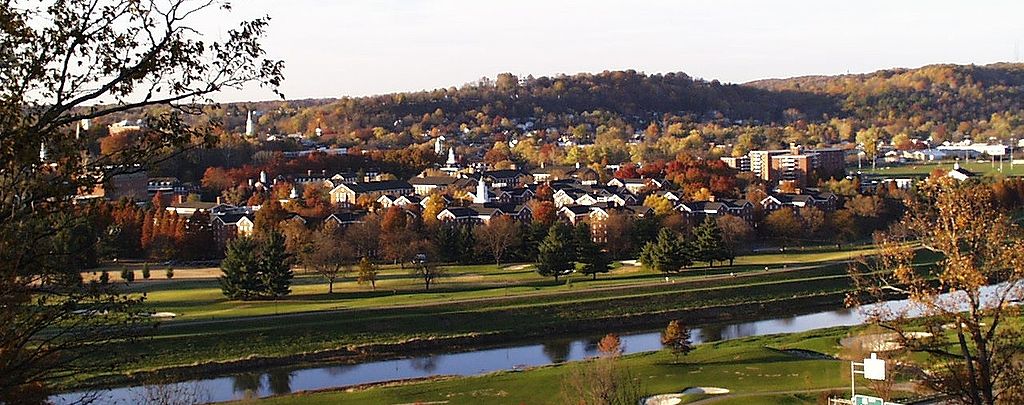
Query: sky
[337,48]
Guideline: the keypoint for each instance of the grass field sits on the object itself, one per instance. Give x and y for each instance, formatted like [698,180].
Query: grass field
[474,301]
[757,370]
[196,299]
[924,169]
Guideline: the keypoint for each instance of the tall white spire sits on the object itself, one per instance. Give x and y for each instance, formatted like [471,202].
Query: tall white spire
[250,126]
[451,157]
[483,195]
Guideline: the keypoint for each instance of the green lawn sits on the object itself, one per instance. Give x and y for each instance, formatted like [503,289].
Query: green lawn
[924,169]
[754,369]
[508,303]
[202,299]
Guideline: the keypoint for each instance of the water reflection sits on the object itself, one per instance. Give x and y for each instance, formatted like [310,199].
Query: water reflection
[246,383]
[279,381]
[557,351]
[427,363]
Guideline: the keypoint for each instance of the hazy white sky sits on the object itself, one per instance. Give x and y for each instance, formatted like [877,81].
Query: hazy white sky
[353,48]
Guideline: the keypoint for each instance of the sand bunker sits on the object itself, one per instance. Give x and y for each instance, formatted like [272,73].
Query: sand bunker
[674,399]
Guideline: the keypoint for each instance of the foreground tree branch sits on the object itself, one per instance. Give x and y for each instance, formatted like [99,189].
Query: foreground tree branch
[65,62]
[958,307]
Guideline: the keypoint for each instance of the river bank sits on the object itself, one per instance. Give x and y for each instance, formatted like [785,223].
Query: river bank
[711,316]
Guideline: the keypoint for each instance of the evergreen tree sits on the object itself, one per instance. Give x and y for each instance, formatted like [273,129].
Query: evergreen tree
[145,271]
[128,275]
[104,277]
[667,254]
[556,255]
[589,252]
[275,266]
[449,242]
[257,268]
[582,241]
[241,269]
[708,243]
[170,273]
[466,246]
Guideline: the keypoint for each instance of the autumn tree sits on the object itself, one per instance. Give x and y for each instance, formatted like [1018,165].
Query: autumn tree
[71,61]
[610,345]
[972,343]
[398,235]
[368,273]
[677,338]
[497,236]
[428,272]
[813,219]
[365,236]
[660,205]
[618,236]
[269,217]
[783,224]
[328,256]
[735,233]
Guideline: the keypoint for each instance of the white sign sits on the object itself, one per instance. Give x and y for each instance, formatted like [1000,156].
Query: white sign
[874,368]
[866,400]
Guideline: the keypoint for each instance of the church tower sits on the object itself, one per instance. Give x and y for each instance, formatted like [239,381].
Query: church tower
[482,193]
[250,126]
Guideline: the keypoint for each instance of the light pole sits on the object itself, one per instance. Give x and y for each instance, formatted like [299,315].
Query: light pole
[1012,142]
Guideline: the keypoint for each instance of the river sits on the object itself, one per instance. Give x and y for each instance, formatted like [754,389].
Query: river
[276,381]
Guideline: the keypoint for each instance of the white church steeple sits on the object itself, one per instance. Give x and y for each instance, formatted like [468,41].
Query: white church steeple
[483,195]
[250,126]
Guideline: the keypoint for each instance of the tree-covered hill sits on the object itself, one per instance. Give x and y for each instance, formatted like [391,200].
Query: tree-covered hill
[942,93]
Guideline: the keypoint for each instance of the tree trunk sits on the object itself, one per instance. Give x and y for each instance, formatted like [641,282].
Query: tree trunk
[330,286]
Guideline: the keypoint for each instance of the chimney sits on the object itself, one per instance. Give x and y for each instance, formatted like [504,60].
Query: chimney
[794,149]
[712,198]
[218,200]
[181,199]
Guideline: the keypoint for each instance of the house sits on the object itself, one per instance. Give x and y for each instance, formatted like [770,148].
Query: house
[469,215]
[426,200]
[351,192]
[165,186]
[585,175]
[635,186]
[130,185]
[423,185]
[593,195]
[826,201]
[188,208]
[343,219]
[231,225]
[697,210]
[516,195]
[926,155]
[503,178]
[960,174]
[574,214]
